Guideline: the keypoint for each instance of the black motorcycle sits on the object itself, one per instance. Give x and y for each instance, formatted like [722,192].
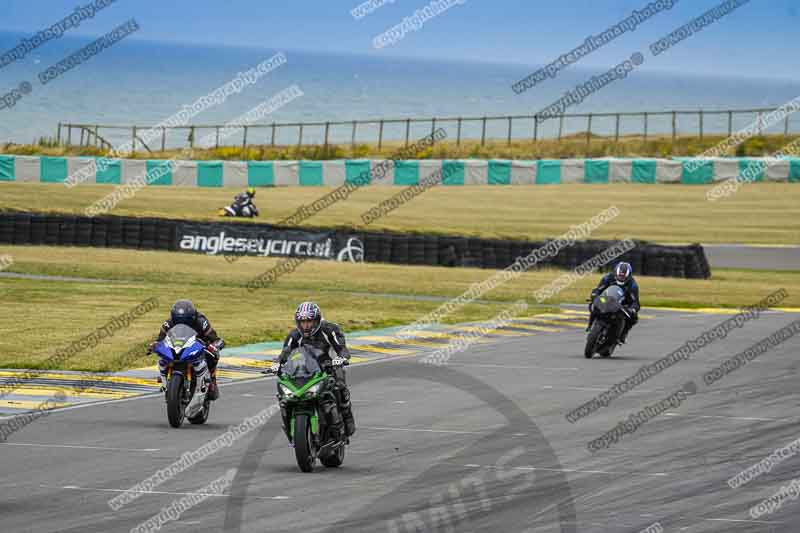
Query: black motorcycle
[609,322]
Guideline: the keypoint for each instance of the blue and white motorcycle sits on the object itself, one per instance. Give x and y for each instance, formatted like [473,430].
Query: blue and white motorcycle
[188,376]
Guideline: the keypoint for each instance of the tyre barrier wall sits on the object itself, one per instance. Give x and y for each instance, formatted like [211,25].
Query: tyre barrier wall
[373,247]
[402,173]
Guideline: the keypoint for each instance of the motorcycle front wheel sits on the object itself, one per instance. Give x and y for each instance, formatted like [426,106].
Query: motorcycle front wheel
[175,408]
[303,448]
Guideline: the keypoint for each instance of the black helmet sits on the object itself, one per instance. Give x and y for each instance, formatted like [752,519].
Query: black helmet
[308,311]
[622,272]
[183,312]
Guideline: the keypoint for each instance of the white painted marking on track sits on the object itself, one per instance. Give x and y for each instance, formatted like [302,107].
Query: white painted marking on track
[746,521]
[97,489]
[80,447]
[576,471]
[427,430]
[726,417]
[514,366]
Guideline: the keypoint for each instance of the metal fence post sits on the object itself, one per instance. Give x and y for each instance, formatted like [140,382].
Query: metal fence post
[701,125]
[458,135]
[327,127]
[433,131]
[380,134]
[216,142]
[353,139]
[483,132]
[163,138]
[645,126]
[730,123]
[133,144]
[616,130]
[509,131]
[97,135]
[674,126]
[272,142]
[58,134]
[589,134]
[535,128]
[300,136]
[244,142]
[786,126]
[408,130]
[69,135]
[560,125]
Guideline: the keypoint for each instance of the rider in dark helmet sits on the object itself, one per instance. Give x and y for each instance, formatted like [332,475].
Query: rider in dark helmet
[623,277]
[184,312]
[314,330]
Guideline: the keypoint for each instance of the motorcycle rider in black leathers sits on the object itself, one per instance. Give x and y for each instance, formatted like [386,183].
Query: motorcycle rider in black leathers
[243,205]
[184,312]
[623,277]
[323,335]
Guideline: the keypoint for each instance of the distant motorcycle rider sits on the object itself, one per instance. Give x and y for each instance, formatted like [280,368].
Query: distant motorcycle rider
[243,205]
[184,312]
[623,277]
[313,330]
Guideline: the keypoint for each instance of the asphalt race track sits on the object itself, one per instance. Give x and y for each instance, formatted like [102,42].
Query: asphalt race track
[479,444]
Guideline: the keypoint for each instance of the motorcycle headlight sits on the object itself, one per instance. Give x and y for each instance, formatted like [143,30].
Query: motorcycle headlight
[314,389]
[285,391]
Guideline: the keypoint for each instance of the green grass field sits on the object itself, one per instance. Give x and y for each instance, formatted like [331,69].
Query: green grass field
[765,213]
[45,315]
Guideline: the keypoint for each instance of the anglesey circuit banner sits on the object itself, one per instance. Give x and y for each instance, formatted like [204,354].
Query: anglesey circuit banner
[267,241]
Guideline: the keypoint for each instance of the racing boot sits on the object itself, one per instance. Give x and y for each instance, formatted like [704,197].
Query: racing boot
[213,390]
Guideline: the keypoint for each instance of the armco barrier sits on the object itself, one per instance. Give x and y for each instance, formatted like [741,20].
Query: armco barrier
[468,171]
[385,247]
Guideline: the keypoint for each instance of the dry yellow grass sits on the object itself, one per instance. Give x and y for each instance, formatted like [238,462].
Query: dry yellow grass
[44,315]
[766,213]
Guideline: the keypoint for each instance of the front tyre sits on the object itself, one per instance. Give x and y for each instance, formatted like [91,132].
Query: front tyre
[302,444]
[591,339]
[175,408]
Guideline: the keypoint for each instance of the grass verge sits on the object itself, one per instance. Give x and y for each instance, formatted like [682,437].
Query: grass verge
[48,315]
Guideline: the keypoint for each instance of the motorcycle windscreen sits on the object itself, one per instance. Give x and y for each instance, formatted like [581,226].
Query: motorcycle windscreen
[610,301]
[180,335]
[302,364]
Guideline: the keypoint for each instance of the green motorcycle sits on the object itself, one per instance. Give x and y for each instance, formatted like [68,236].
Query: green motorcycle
[309,407]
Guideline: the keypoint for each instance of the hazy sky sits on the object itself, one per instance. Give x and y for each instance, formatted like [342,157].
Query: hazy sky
[759,40]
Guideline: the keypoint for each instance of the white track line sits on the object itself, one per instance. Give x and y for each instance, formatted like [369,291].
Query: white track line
[574,470]
[96,489]
[80,447]
[726,417]
[745,521]
[513,366]
[426,430]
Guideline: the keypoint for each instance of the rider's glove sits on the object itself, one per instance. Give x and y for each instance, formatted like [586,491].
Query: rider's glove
[151,348]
